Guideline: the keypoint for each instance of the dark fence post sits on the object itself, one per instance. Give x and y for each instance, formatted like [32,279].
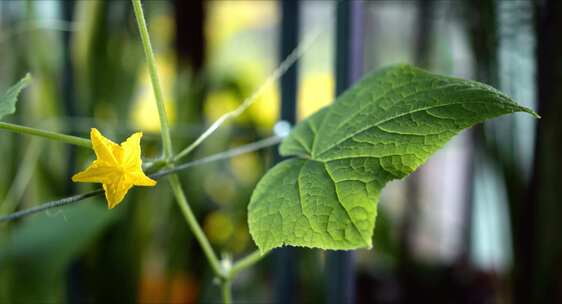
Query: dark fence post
[423,27]
[190,38]
[285,258]
[541,274]
[349,68]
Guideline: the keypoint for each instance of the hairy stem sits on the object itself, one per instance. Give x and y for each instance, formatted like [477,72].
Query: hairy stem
[68,139]
[48,205]
[164,128]
[194,225]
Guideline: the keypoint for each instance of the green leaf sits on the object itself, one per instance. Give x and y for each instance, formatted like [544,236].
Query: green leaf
[9,99]
[382,129]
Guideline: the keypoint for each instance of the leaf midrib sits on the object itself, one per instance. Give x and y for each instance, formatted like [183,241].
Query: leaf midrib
[318,156]
[390,90]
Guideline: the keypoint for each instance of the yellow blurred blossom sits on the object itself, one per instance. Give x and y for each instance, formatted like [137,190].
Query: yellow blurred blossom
[315,92]
[265,110]
[220,102]
[144,111]
[219,227]
[117,167]
[226,18]
[240,239]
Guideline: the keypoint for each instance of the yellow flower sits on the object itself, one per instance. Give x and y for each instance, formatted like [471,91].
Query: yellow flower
[117,167]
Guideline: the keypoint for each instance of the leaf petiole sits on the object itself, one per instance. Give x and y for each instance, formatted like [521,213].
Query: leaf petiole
[245,262]
[194,225]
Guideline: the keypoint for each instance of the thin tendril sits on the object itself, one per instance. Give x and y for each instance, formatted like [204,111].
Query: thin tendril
[281,69]
[51,204]
[270,141]
[251,147]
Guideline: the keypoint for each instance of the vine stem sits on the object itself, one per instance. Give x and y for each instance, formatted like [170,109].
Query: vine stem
[164,128]
[230,273]
[167,146]
[48,205]
[195,228]
[224,273]
[68,139]
[226,286]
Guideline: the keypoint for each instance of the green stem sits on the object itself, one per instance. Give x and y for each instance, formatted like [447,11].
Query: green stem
[165,130]
[224,275]
[246,262]
[226,291]
[69,139]
[197,231]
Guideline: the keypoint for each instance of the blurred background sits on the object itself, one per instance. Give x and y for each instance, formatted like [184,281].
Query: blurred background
[481,222]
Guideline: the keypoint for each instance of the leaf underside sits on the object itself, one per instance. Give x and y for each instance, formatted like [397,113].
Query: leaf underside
[381,129]
[9,99]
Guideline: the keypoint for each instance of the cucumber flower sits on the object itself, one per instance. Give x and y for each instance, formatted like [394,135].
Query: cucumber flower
[117,167]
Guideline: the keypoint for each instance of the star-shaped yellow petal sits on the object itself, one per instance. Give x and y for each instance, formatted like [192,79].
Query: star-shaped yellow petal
[117,167]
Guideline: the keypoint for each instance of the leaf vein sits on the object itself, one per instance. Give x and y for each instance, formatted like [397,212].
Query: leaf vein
[342,206]
[319,155]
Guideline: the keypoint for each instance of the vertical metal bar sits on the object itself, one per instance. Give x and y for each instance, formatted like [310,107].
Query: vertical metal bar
[285,258]
[423,27]
[343,42]
[289,40]
[190,37]
[540,269]
[349,68]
